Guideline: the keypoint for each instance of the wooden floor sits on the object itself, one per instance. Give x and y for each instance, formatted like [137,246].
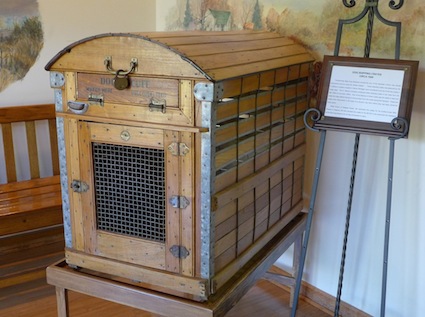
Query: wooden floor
[264,299]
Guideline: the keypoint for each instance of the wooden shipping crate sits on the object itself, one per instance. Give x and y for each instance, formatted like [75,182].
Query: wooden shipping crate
[182,153]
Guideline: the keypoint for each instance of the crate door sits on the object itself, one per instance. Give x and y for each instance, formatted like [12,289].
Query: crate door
[134,212]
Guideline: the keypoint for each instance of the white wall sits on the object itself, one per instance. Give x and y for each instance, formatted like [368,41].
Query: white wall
[65,22]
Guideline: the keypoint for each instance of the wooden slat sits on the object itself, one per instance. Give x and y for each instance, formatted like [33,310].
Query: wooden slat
[235,37]
[244,169]
[188,223]
[226,257]
[9,198]
[256,144]
[224,243]
[242,127]
[258,54]
[218,74]
[173,218]
[32,149]
[27,113]
[162,125]
[25,277]
[28,184]
[9,153]
[208,48]
[233,87]
[16,248]
[226,273]
[152,138]
[27,271]
[197,33]
[30,203]
[122,248]
[225,227]
[255,102]
[224,197]
[48,216]
[226,178]
[245,242]
[250,225]
[224,214]
[234,108]
[86,211]
[15,270]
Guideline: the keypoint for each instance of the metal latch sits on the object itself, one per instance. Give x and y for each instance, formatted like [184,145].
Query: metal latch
[179,202]
[79,186]
[96,99]
[178,149]
[158,105]
[179,251]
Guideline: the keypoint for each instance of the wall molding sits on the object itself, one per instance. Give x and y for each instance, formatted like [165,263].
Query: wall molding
[318,298]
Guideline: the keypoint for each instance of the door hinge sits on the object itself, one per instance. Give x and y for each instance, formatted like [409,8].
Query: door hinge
[179,251]
[178,149]
[179,201]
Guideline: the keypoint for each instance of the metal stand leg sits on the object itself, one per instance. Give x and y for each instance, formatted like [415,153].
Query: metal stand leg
[347,224]
[298,245]
[387,226]
[309,221]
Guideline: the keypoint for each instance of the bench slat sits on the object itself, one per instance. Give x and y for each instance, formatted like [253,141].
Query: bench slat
[22,194]
[27,113]
[32,149]
[36,243]
[9,152]
[17,186]
[30,204]
[32,270]
[35,219]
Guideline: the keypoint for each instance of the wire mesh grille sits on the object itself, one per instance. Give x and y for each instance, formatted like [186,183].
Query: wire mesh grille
[130,190]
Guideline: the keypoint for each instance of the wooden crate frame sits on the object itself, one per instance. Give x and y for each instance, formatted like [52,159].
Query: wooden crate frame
[239,106]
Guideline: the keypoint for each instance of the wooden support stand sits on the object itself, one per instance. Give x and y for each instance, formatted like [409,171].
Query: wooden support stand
[65,278]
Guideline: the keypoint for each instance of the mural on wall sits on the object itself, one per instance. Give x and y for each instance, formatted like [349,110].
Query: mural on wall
[21,39]
[307,22]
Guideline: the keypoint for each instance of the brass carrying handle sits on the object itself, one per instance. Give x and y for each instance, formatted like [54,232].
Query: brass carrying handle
[120,72]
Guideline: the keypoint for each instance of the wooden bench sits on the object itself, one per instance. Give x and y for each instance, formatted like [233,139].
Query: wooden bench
[31,225]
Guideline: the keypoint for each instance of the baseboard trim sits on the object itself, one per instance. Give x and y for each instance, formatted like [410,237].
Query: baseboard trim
[321,299]
[326,302]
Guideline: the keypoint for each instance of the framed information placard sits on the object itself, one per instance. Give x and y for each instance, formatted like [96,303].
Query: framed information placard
[366,95]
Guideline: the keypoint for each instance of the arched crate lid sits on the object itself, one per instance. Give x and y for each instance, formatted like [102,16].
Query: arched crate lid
[215,56]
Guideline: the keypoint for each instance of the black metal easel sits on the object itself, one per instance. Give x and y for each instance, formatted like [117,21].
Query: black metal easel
[399,125]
